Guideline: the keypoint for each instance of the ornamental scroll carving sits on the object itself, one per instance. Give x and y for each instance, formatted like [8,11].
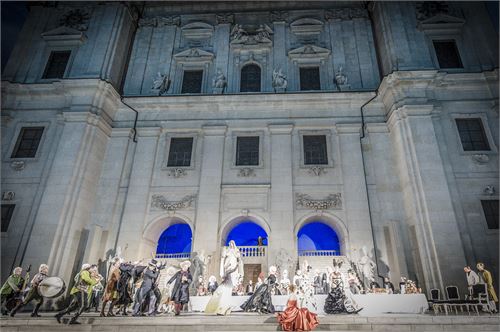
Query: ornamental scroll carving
[332,201]
[160,202]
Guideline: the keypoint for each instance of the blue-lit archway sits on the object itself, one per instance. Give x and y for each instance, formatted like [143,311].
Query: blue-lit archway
[175,239]
[246,233]
[317,235]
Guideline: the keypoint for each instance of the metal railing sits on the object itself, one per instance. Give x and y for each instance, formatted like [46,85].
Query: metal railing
[253,251]
[174,256]
[318,253]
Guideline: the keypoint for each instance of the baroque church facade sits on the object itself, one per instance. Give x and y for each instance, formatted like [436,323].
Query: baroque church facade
[378,119]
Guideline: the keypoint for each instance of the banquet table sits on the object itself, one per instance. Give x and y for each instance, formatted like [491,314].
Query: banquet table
[372,304]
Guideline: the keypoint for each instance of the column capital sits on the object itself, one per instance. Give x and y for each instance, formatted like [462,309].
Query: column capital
[280,129]
[214,130]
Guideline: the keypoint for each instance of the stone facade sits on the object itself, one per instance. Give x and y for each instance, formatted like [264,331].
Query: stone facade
[397,180]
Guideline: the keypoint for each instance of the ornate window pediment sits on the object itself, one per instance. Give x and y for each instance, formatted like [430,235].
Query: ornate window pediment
[197,31]
[194,56]
[64,36]
[442,24]
[307,27]
[309,54]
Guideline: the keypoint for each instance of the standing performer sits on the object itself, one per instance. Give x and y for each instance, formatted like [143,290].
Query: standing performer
[260,301]
[111,291]
[81,292]
[212,285]
[11,288]
[180,292]
[488,280]
[146,290]
[231,268]
[33,294]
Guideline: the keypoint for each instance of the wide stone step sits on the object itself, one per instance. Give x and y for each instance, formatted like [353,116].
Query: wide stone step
[252,322]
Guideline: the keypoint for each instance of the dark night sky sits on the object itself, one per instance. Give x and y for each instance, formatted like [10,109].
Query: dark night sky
[14,14]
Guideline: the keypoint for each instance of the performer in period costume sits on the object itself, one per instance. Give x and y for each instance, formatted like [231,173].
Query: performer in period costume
[285,283]
[212,285]
[317,282]
[472,278]
[388,285]
[124,287]
[11,288]
[111,291]
[33,294]
[337,302]
[295,319]
[260,301]
[180,293]
[145,291]
[80,293]
[488,280]
[201,290]
[231,268]
[249,289]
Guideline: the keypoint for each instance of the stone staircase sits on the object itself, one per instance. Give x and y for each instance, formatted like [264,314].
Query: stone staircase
[253,322]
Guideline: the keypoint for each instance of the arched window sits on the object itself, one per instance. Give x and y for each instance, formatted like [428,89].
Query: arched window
[247,233]
[250,78]
[175,239]
[317,236]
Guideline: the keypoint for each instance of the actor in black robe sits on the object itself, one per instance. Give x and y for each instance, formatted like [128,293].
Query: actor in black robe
[180,292]
[336,302]
[124,291]
[260,301]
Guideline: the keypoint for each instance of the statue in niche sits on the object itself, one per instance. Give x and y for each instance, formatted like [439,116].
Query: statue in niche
[219,82]
[284,261]
[341,80]
[198,265]
[238,34]
[367,267]
[161,84]
[264,33]
[279,81]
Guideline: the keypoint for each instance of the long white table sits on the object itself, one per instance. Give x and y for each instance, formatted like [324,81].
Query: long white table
[372,304]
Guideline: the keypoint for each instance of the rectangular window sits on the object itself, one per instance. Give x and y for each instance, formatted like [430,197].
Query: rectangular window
[447,54]
[180,152]
[490,208]
[472,134]
[7,211]
[309,78]
[191,82]
[56,66]
[315,151]
[247,151]
[27,142]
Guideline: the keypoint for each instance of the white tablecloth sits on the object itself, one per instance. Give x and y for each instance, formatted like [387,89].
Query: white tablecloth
[372,304]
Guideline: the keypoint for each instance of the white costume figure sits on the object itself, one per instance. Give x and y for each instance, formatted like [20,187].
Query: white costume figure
[305,291]
[285,283]
[231,268]
[367,266]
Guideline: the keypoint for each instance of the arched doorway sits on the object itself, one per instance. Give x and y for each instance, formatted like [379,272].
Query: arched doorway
[175,242]
[316,238]
[247,233]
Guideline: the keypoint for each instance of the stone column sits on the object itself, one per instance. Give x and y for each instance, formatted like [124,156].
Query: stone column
[206,230]
[427,201]
[136,207]
[222,31]
[355,198]
[282,216]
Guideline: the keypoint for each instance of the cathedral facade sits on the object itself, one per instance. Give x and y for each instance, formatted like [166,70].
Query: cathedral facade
[379,120]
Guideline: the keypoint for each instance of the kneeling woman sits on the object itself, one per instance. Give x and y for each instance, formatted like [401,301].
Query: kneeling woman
[295,319]
[260,301]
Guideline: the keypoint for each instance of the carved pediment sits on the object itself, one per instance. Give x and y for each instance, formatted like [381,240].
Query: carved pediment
[442,24]
[64,34]
[309,54]
[197,31]
[307,27]
[194,55]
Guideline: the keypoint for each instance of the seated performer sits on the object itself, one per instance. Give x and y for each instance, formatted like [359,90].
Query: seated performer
[261,301]
[33,294]
[180,293]
[249,288]
[201,290]
[11,288]
[388,285]
[111,292]
[295,319]
[81,292]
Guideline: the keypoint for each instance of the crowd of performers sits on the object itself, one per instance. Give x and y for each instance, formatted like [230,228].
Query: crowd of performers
[135,287]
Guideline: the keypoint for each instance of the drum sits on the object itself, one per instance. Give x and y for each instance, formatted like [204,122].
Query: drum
[51,287]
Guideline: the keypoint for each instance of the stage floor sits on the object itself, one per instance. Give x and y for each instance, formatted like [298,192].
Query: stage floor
[250,322]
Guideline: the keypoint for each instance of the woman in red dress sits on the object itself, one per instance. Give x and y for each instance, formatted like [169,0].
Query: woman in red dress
[295,318]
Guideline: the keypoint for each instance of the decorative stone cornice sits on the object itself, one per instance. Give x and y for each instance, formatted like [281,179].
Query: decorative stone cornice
[279,16]
[90,118]
[149,131]
[160,202]
[214,130]
[280,129]
[224,18]
[77,18]
[332,201]
[345,13]
[348,128]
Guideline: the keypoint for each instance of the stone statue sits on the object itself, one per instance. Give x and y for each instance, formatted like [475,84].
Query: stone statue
[367,267]
[340,78]
[198,266]
[489,190]
[279,80]
[263,34]
[238,34]
[161,84]
[219,82]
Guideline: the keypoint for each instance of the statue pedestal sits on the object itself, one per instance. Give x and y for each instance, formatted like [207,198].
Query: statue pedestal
[344,87]
[218,91]
[279,90]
